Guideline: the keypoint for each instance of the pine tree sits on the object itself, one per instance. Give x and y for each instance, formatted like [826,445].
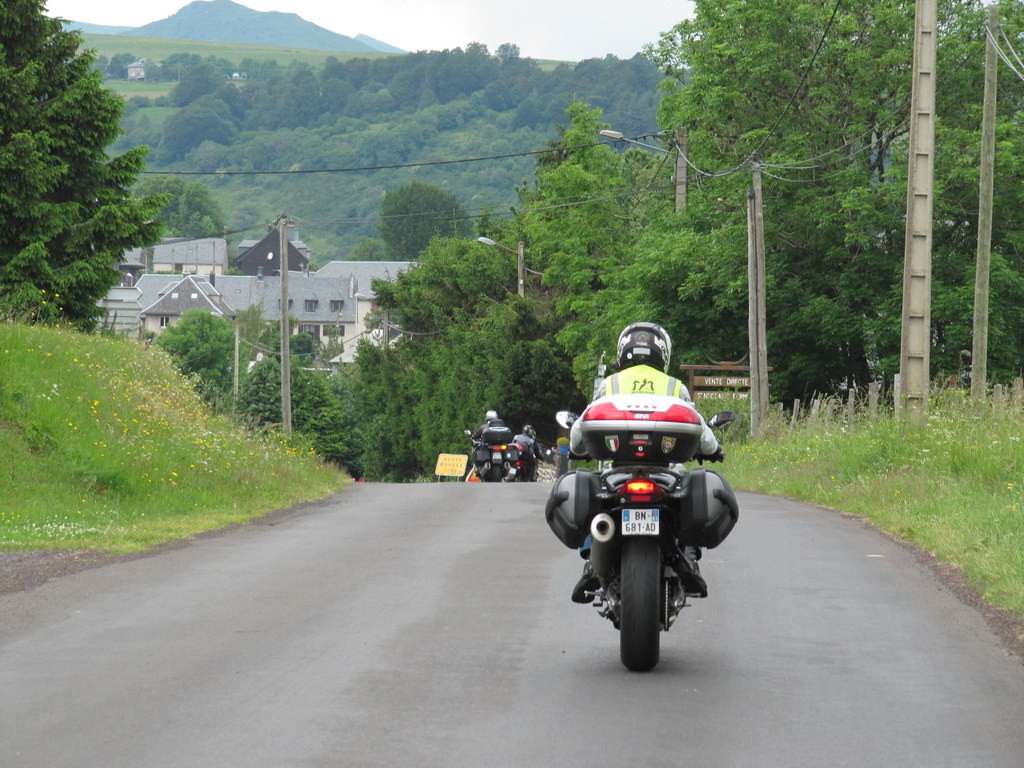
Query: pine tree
[66,211]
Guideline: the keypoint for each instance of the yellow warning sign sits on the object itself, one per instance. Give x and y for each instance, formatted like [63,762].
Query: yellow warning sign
[451,464]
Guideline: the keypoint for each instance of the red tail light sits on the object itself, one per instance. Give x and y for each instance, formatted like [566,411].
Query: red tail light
[640,489]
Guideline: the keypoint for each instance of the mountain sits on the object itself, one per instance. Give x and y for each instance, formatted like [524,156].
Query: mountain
[224,21]
[377,45]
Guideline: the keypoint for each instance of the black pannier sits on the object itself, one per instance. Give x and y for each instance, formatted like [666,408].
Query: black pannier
[709,509]
[572,505]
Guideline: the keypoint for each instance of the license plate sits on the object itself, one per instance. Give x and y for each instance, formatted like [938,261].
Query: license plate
[640,522]
[496,456]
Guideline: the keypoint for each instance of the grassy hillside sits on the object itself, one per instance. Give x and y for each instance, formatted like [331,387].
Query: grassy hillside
[103,445]
[159,49]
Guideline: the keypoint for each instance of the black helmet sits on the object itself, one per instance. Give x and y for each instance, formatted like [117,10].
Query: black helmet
[530,431]
[644,344]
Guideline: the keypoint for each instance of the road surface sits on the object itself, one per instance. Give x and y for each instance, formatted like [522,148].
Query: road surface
[430,625]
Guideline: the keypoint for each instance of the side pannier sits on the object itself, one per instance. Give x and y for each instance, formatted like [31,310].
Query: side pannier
[709,509]
[572,505]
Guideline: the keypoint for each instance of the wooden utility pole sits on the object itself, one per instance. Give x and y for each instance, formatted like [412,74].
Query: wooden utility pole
[979,344]
[682,174]
[915,343]
[757,306]
[286,368]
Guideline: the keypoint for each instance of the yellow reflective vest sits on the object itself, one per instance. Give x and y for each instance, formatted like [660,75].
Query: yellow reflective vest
[644,380]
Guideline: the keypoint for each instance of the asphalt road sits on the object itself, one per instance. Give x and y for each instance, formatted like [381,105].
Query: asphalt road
[430,625]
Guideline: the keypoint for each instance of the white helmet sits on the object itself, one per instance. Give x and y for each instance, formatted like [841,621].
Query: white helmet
[644,344]
[491,415]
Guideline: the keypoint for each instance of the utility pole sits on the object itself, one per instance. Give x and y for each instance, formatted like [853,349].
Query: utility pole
[757,306]
[915,343]
[521,269]
[286,368]
[682,174]
[234,383]
[979,344]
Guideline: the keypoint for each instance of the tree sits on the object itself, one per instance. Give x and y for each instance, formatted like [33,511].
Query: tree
[191,209]
[507,51]
[201,79]
[67,214]
[819,92]
[205,119]
[203,345]
[414,213]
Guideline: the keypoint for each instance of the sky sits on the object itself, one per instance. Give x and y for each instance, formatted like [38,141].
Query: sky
[567,30]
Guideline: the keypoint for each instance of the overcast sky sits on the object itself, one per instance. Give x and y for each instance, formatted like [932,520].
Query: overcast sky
[569,30]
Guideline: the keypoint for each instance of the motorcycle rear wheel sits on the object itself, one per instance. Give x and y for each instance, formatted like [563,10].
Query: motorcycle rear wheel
[639,630]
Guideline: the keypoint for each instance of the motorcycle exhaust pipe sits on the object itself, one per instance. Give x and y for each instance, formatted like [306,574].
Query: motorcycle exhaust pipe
[602,531]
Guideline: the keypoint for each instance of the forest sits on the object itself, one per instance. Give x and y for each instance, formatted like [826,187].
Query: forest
[324,144]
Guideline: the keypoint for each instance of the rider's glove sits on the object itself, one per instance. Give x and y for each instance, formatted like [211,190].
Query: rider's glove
[718,455]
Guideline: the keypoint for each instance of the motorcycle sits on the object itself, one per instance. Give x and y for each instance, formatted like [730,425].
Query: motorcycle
[644,512]
[523,463]
[491,455]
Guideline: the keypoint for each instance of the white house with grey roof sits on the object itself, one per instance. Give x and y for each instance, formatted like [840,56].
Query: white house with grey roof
[165,298]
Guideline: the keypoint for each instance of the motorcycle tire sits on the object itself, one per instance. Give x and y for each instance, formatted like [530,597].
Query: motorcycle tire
[639,626]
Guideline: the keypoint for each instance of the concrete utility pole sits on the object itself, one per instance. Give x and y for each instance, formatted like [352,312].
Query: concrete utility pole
[915,344]
[234,383]
[521,268]
[979,344]
[757,306]
[286,368]
[682,172]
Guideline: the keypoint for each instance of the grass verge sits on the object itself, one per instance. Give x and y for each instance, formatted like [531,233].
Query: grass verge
[953,487]
[105,446]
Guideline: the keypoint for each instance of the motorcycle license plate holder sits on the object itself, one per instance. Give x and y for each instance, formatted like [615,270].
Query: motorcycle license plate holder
[641,522]
[496,456]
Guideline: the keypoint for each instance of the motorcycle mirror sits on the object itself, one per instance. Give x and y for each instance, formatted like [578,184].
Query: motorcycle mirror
[565,418]
[722,419]
[467,432]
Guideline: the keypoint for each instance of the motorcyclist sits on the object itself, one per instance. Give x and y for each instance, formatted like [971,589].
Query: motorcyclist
[527,440]
[490,420]
[642,356]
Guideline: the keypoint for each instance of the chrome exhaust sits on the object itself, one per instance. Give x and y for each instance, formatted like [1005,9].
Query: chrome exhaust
[602,531]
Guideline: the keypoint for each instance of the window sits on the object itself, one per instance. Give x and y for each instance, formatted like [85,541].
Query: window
[164,321]
[336,305]
[311,305]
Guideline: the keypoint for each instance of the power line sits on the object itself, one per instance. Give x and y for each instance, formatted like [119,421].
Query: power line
[424,164]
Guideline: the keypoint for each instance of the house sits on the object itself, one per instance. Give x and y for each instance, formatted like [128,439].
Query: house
[121,307]
[263,257]
[330,303]
[137,70]
[196,256]
[165,298]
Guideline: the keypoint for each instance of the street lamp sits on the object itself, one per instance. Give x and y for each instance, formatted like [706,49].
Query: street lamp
[521,253]
[681,177]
